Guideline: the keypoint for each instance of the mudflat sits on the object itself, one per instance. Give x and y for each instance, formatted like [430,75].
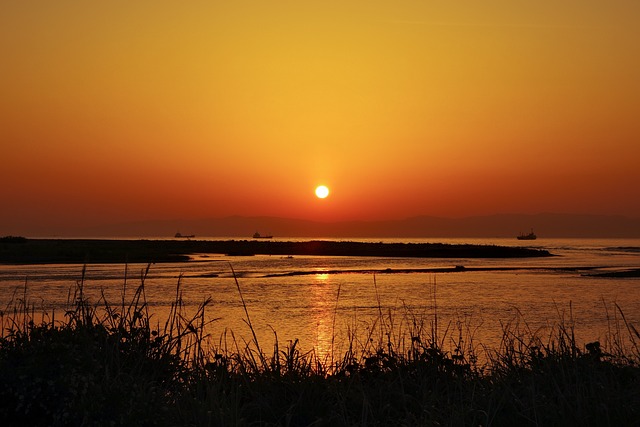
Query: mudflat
[91,251]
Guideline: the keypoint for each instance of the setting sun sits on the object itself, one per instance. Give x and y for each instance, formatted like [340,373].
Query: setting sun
[210,110]
[322,191]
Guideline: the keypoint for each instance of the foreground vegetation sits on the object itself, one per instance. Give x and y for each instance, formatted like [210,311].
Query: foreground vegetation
[105,364]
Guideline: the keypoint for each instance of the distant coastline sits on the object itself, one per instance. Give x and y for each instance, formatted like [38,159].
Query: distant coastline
[92,251]
[547,225]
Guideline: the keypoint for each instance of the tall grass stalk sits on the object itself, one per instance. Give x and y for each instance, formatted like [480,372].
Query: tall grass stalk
[105,364]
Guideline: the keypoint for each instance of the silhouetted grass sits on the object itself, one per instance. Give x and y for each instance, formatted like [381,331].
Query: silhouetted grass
[108,364]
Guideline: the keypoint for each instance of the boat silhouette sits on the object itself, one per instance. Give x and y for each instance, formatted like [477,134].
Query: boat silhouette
[182,236]
[528,236]
[257,235]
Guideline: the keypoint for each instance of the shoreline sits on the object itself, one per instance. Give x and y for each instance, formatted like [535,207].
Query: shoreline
[96,251]
[455,269]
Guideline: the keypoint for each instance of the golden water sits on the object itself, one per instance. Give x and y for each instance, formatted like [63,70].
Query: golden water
[324,310]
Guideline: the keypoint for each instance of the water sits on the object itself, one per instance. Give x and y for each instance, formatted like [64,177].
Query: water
[322,309]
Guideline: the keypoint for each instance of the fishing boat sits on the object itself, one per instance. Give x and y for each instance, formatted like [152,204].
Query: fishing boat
[528,236]
[182,236]
[257,235]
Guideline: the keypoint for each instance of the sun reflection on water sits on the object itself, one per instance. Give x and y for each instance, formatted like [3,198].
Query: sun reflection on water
[323,295]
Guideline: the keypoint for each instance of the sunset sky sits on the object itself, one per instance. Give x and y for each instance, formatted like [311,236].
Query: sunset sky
[135,110]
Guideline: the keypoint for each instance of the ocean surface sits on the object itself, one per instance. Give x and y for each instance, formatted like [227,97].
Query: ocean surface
[325,302]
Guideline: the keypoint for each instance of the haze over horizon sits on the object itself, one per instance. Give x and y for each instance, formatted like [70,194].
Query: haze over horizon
[119,112]
[547,225]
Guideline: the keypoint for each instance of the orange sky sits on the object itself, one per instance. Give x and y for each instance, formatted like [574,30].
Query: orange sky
[116,111]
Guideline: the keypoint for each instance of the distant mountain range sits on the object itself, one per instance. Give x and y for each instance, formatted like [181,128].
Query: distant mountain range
[503,225]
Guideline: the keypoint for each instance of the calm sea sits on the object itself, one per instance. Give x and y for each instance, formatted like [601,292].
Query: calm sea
[324,301]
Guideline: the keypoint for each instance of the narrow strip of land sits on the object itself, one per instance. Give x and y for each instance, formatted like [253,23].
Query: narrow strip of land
[628,273]
[455,269]
[31,251]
